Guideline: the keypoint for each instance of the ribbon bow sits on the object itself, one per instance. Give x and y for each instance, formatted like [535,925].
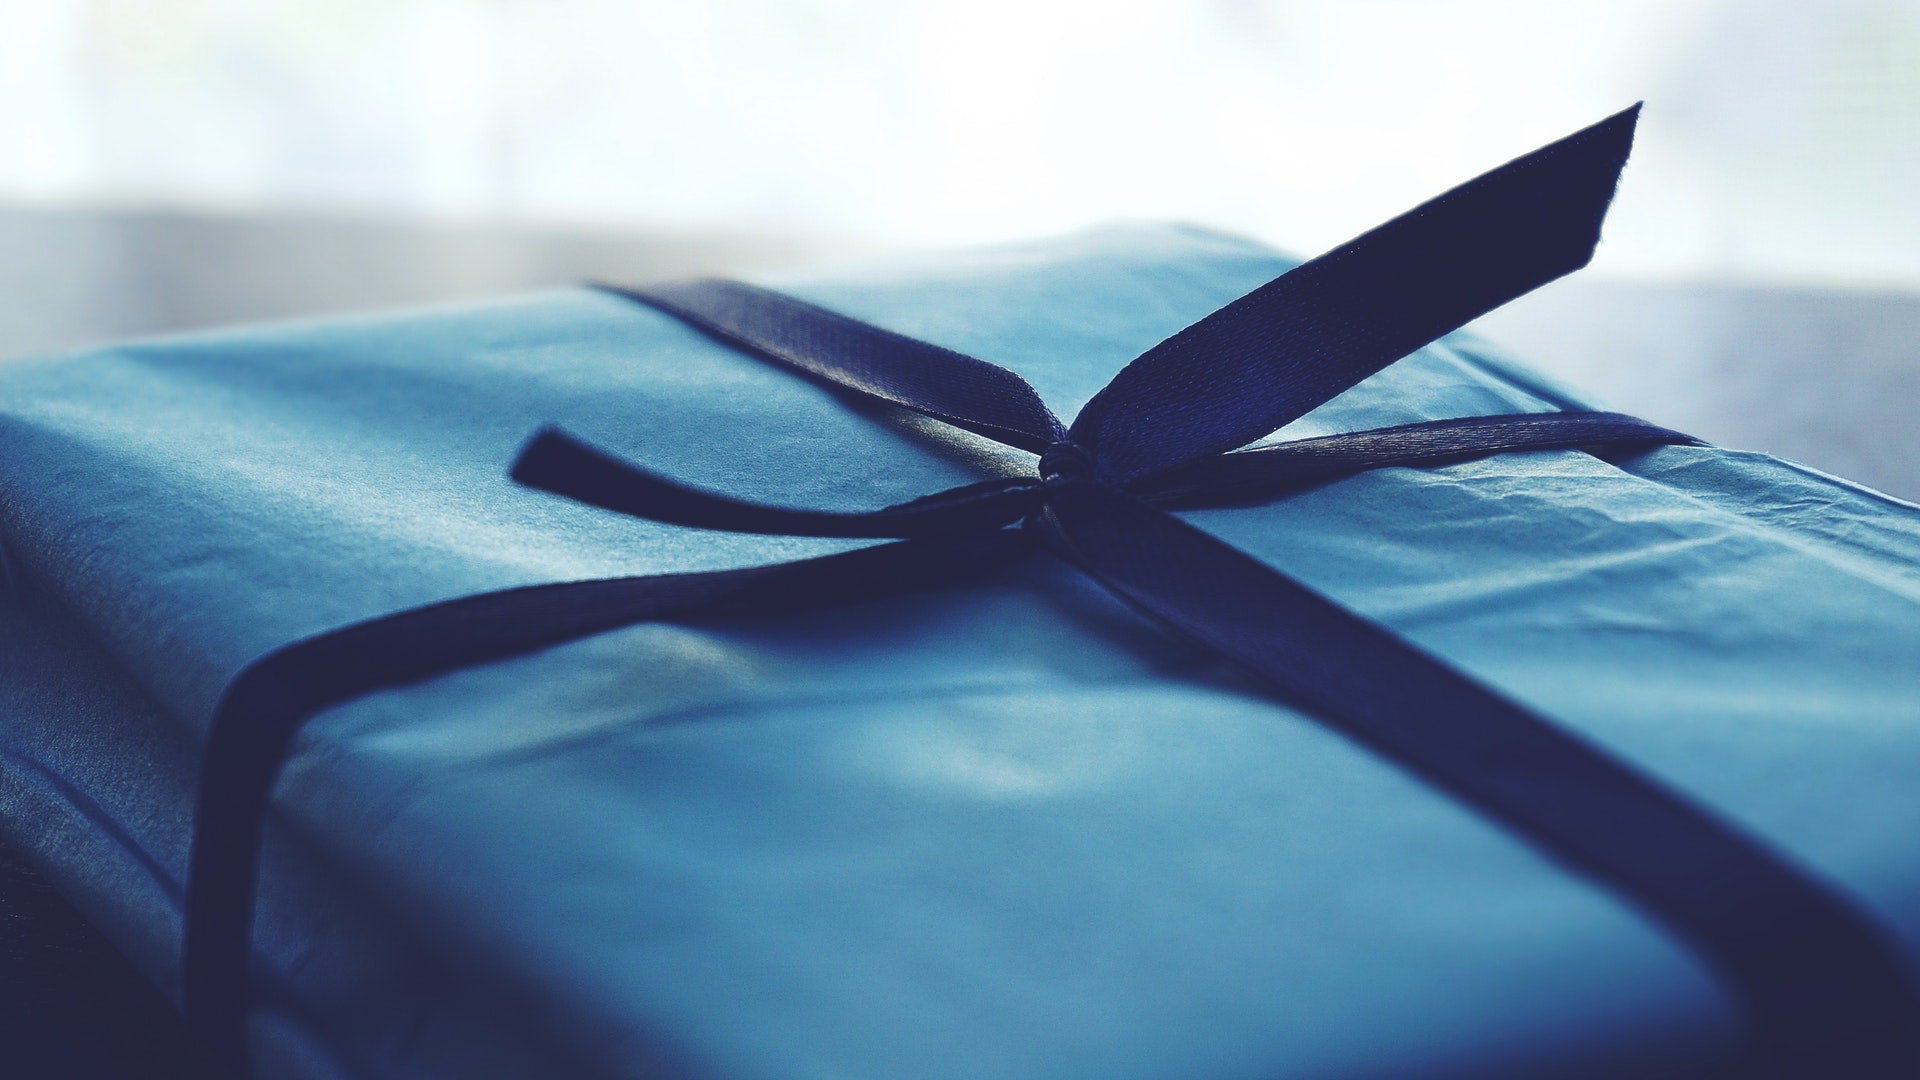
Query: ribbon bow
[1823,988]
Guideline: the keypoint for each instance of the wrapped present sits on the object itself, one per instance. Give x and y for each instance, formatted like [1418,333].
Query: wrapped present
[806,700]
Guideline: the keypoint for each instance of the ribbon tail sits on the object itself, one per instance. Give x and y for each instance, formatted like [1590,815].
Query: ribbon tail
[1291,344]
[1823,985]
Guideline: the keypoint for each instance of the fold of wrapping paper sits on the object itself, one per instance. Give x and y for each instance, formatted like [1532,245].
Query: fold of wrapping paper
[997,828]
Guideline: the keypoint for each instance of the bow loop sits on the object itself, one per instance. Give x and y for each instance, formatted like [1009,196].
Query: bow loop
[852,356]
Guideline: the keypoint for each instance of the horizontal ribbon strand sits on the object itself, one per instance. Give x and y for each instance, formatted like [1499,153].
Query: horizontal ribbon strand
[1268,472]
[264,708]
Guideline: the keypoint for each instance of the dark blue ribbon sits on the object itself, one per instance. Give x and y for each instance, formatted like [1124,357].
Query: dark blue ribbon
[1823,986]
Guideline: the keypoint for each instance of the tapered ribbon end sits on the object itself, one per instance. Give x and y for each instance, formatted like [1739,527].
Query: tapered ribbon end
[559,464]
[1596,156]
[546,458]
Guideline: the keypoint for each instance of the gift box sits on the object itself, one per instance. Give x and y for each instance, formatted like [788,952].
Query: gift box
[976,816]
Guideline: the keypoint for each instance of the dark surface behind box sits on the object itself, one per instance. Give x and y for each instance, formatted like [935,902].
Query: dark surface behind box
[70,1004]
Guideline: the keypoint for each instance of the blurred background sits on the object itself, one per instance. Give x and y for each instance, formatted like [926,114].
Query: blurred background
[188,163]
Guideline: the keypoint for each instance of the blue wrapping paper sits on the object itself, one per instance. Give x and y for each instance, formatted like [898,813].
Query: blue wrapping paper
[1001,827]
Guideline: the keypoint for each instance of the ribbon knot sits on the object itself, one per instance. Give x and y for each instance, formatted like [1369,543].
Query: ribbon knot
[1825,991]
[1065,460]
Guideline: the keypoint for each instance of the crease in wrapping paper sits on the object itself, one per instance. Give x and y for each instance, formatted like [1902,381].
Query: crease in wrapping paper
[947,772]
